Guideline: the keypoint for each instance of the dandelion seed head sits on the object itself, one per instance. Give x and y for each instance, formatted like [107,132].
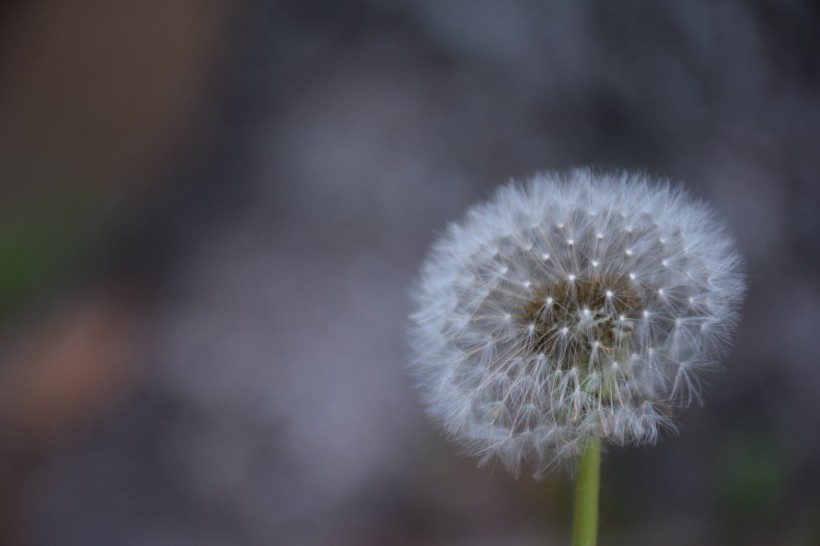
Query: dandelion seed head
[539,323]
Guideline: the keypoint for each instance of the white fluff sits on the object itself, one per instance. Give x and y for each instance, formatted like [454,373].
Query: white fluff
[575,305]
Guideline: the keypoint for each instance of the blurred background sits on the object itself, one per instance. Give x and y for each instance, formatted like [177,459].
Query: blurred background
[211,211]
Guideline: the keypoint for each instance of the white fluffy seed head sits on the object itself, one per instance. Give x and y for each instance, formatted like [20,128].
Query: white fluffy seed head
[573,306]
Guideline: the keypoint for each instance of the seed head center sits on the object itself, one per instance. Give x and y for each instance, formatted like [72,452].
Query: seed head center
[570,321]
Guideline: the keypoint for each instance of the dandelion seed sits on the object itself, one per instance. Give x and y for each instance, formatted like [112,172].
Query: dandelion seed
[531,390]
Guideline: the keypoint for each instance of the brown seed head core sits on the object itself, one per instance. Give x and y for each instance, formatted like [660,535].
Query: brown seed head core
[571,316]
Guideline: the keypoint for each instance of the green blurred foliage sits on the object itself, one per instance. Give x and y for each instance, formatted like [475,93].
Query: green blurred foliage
[44,245]
[755,475]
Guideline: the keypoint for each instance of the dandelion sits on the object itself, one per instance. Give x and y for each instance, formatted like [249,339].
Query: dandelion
[572,310]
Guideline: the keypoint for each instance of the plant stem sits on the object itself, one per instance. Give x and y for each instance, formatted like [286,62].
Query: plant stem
[587,480]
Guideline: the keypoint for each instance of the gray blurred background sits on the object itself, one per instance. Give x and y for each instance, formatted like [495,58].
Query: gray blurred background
[211,211]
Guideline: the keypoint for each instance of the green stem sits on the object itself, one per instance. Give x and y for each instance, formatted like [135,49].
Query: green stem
[587,479]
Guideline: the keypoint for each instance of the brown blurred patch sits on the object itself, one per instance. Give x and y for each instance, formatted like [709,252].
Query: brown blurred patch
[66,370]
[94,93]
